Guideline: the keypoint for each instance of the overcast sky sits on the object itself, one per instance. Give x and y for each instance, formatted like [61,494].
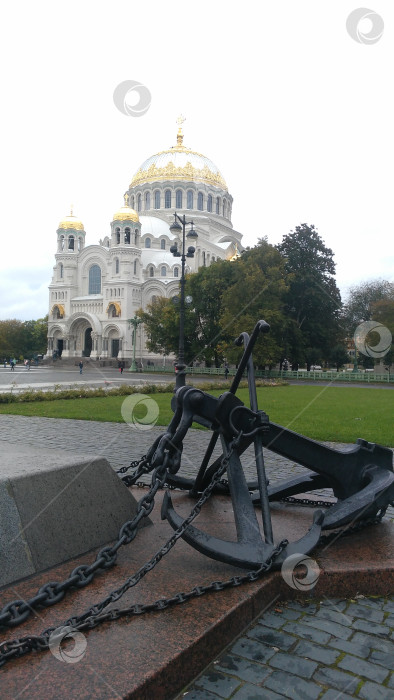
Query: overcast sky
[296,113]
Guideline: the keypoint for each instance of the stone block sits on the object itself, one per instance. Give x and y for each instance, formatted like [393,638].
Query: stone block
[55,505]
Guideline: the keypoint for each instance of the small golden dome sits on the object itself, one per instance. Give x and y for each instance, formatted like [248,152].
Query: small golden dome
[71,222]
[126,213]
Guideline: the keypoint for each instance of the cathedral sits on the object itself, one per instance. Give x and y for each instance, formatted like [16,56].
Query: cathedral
[96,289]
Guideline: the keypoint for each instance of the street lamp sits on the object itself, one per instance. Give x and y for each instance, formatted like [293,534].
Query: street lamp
[177,228]
[135,323]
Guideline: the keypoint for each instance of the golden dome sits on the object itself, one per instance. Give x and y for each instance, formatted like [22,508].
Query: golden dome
[181,164]
[126,213]
[71,222]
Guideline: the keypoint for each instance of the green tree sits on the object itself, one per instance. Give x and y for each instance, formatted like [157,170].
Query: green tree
[339,356]
[11,338]
[313,299]
[362,300]
[257,293]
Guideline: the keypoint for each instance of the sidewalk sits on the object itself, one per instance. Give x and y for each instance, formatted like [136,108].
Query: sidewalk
[326,650]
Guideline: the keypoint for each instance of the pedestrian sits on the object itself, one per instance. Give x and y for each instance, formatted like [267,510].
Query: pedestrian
[226,370]
[80,367]
[121,367]
[5,363]
[12,365]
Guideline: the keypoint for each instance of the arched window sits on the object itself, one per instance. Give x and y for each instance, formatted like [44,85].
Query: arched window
[167,199]
[132,202]
[189,199]
[179,199]
[117,231]
[127,235]
[135,267]
[224,207]
[151,272]
[116,266]
[147,242]
[200,201]
[61,270]
[176,271]
[209,203]
[71,243]
[95,280]
[218,205]
[163,271]
[162,244]
[154,299]
[139,202]
[61,242]
[157,199]
[204,259]
[147,200]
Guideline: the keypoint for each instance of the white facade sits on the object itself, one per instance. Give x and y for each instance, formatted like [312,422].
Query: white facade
[95,289]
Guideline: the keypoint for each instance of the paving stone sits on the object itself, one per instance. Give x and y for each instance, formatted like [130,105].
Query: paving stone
[389,606]
[242,668]
[289,614]
[337,679]
[327,626]
[389,621]
[374,642]
[197,694]
[386,660]
[335,603]
[342,618]
[390,681]
[371,627]
[361,650]
[307,632]
[273,638]
[363,668]
[372,691]
[293,664]
[271,620]
[251,649]
[365,612]
[219,683]
[334,695]
[292,687]
[307,607]
[376,603]
[316,652]
[250,692]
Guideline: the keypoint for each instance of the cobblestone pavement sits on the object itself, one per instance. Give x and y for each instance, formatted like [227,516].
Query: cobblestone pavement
[327,650]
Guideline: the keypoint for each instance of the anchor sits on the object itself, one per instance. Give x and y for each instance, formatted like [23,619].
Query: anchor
[361,476]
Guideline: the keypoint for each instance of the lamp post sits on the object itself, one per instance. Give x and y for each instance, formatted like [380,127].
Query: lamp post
[135,322]
[178,228]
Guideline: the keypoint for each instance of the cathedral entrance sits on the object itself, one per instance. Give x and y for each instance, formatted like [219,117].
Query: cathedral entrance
[114,347]
[59,346]
[88,343]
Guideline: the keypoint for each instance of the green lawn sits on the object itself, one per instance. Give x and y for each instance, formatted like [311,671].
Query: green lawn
[323,413]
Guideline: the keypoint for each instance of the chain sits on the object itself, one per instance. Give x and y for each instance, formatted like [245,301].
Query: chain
[95,616]
[17,611]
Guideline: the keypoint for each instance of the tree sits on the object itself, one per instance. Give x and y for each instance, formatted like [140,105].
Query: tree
[257,293]
[339,356]
[362,301]
[313,299]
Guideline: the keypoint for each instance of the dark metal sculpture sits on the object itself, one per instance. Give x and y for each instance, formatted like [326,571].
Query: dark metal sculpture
[361,477]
